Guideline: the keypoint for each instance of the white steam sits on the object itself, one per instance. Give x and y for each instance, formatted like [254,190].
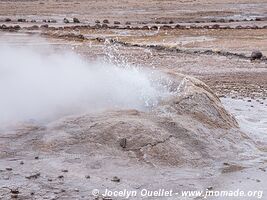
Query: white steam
[44,85]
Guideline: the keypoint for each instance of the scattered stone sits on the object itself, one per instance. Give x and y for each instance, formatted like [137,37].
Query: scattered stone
[21,20]
[117,22]
[76,20]
[123,142]
[64,170]
[249,100]
[128,23]
[9,169]
[32,193]
[17,27]
[50,179]
[60,176]
[66,21]
[36,157]
[210,188]
[21,162]
[97,21]
[14,191]
[88,177]
[115,179]
[7,20]
[33,176]
[105,21]
[256,55]
[43,26]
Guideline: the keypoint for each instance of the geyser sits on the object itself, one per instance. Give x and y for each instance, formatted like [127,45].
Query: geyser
[42,84]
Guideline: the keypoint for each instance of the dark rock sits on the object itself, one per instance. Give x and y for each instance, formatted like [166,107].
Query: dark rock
[9,169]
[104,26]
[14,191]
[117,22]
[76,20]
[33,20]
[97,21]
[256,55]
[65,170]
[37,157]
[215,26]
[123,142]
[258,19]
[128,23]
[115,179]
[60,176]
[7,20]
[21,162]
[50,179]
[171,22]
[87,177]
[44,20]
[66,21]
[166,27]
[17,27]
[154,28]
[145,28]
[33,176]
[42,26]
[21,20]
[105,21]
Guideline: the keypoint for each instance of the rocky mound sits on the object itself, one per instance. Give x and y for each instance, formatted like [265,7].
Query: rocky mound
[190,128]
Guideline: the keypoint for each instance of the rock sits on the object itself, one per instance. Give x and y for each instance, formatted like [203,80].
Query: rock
[255,55]
[87,177]
[215,26]
[33,176]
[21,20]
[43,26]
[14,191]
[104,26]
[21,162]
[36,157]
[60,176]
[33,20]
[9,169]
[117,22]
[66,21]
[105,21]
[128,23]
[64,170]
[7,20]
[115,179]
[17,27]
[123,142]
[97,21]
[50,179]
[76,20]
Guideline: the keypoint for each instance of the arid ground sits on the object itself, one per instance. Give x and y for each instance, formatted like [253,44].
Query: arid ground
[210,136]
